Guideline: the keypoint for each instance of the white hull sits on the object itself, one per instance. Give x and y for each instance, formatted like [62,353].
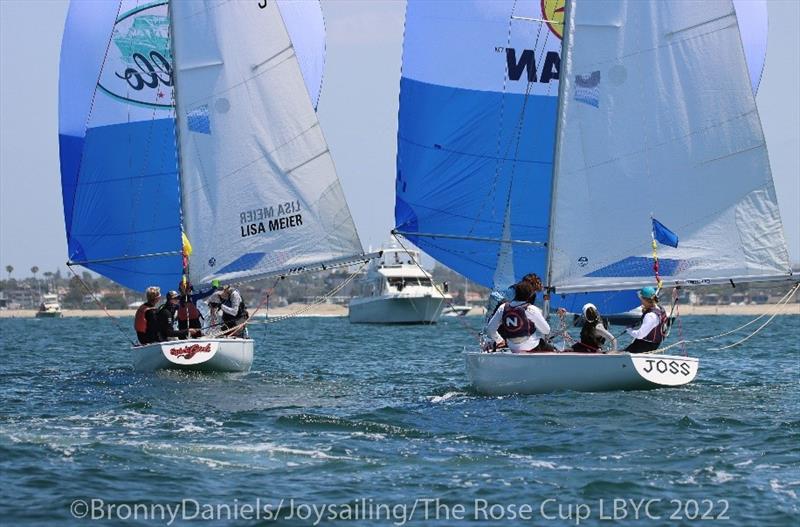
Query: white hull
[396,309]
[210,355]
[49,314]
[531,373]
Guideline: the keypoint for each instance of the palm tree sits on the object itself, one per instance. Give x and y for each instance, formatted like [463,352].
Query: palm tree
[9,270]
[48,275]
[35,270]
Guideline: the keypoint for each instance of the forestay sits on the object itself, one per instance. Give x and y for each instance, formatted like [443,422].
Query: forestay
[659,118]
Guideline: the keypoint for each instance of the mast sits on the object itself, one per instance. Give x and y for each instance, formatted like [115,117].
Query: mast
[177,126]
[557,150]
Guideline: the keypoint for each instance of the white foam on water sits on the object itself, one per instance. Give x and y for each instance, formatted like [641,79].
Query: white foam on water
[540,463]
[435,399]
[777,488]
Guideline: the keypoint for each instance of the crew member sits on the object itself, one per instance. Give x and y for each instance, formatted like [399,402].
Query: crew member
[593,333]
[520,324]
[145,320]
[188,314]
[234,311]
[166,320]
[653,323]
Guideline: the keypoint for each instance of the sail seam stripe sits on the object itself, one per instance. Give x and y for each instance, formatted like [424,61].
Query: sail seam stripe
[470,154]
[260,158]
[671,140]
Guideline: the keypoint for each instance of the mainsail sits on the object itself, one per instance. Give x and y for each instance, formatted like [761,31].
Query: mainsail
[120,169]
[658,118]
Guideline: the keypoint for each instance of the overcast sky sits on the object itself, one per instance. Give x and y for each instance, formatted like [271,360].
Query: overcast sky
[358,111]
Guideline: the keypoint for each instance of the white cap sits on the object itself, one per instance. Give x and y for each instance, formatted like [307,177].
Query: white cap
[587,306]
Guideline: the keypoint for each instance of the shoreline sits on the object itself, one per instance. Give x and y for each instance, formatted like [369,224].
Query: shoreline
[333,310]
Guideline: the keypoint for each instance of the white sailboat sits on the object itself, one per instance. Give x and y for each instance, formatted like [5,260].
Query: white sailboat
[521,152]
[195,120]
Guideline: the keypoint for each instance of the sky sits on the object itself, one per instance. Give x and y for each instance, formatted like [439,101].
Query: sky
[357,110]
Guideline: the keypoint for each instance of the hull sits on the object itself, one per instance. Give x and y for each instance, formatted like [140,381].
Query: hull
[396,310]
[532,373]
[456,311]
[209,355]
[49,314]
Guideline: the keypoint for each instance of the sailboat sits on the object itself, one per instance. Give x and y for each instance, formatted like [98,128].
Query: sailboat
[191,150]
[545,136]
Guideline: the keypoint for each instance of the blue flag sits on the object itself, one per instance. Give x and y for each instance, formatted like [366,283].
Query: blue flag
[664,235]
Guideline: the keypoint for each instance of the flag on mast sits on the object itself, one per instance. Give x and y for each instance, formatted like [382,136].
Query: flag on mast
[663,234]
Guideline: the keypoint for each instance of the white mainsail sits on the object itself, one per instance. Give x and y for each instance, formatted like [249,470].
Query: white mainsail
[260,194]
[658,118]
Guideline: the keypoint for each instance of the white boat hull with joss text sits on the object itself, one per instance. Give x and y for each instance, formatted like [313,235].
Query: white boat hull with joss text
[208,355]
[531,373]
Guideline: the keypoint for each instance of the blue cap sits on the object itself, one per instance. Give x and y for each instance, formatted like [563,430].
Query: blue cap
[648,292]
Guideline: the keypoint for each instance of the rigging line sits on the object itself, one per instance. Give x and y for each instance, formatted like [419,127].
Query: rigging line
[89,113]
[123,258]
[520,124]
[762,326]
[782,302]
[103,307]
[265,301]
[469,238]
[321,299]
[450,304]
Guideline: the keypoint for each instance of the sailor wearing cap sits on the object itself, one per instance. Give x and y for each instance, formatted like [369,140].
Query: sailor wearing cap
[653,324]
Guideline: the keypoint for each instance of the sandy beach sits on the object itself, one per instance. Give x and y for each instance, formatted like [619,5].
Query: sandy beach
[333,310]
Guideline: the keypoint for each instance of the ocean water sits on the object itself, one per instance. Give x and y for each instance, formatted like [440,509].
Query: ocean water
[375,425]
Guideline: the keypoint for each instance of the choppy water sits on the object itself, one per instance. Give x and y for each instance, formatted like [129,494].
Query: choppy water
[381,418]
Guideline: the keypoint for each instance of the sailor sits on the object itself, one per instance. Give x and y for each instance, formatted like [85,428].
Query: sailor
[188,314]
[594,334]
[234,311]
[145,320]
[496,297]
[653,323]
[166,320]
[520,324]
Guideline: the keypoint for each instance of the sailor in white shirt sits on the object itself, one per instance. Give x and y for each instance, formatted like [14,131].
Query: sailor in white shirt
[521,335]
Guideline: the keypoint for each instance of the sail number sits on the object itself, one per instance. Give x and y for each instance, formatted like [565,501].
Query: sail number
[671,366]
[262,4]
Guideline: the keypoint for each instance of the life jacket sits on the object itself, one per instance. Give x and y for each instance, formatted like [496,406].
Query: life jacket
[589,337]
[188,311]
[515,322]
[140,321]
[656,336]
